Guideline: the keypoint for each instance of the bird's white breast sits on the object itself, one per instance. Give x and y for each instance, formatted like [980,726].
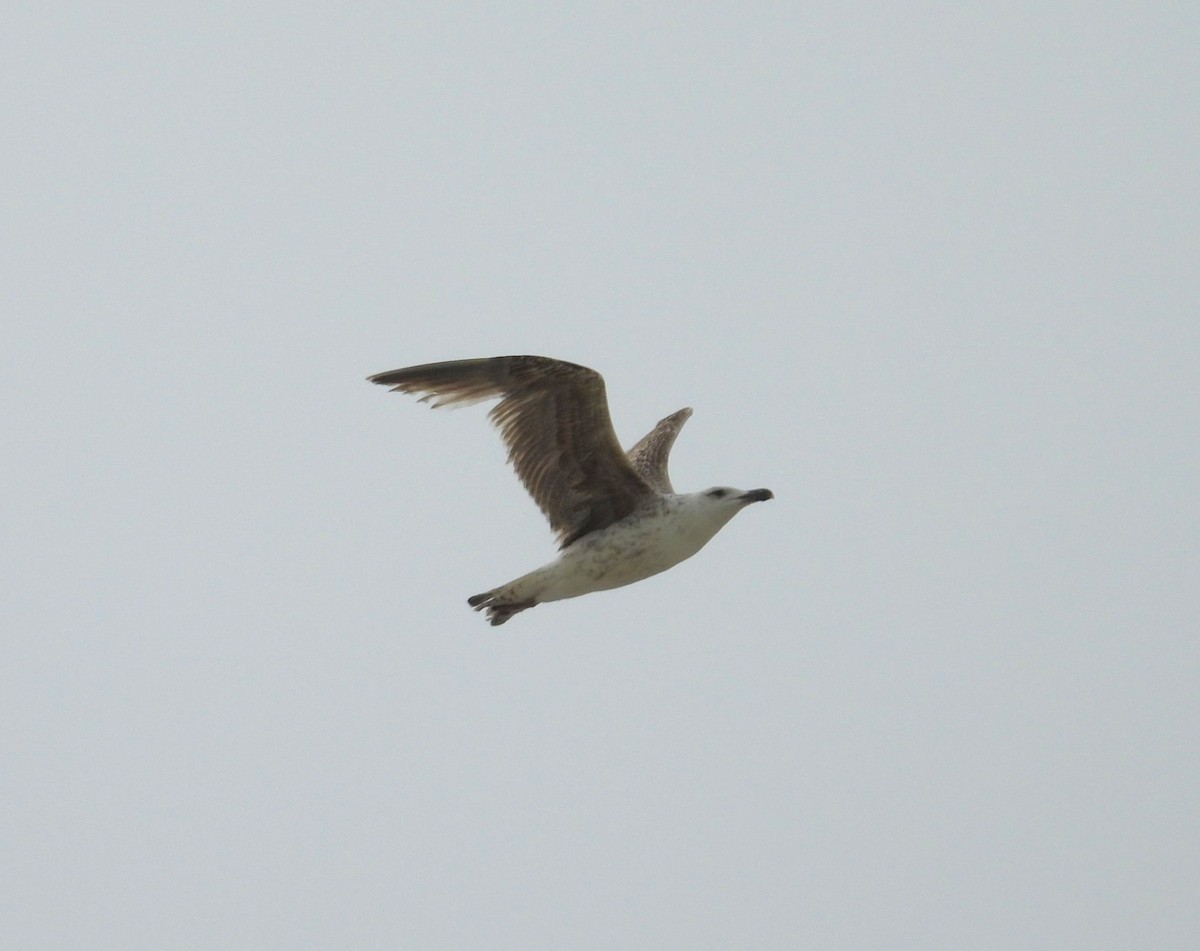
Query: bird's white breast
[636,547]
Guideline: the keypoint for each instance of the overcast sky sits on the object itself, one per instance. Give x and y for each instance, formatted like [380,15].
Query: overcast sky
[929,272]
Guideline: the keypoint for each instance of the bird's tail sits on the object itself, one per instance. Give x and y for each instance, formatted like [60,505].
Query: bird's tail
[499,607]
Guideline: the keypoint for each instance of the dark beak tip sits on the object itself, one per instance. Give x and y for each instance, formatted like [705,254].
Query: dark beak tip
[758,495]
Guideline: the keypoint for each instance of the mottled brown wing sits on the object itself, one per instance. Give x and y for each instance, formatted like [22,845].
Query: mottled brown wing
[554,419]
[649,456]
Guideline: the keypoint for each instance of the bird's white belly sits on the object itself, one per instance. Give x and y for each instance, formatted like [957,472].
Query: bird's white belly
[624,552]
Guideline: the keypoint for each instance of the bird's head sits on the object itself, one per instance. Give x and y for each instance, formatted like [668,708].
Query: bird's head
[723,502]
[700,515]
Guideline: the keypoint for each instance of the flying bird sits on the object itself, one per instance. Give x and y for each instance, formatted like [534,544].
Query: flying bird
[615,514]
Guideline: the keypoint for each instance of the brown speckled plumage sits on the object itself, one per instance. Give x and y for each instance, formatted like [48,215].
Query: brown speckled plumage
[553,417]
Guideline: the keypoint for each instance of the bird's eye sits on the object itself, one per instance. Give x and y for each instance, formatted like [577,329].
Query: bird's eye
[716,493]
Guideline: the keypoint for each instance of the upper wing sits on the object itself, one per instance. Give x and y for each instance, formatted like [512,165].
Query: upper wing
[554,419]
[649,456]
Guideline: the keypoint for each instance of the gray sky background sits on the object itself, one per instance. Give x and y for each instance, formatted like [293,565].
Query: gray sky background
[928,272]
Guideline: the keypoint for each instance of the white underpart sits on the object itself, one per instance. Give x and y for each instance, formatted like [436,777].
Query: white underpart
[645,543]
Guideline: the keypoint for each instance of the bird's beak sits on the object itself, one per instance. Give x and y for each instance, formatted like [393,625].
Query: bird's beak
[756,495]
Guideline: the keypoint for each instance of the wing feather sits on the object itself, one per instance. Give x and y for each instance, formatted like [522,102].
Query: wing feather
[554,419]
[649,456]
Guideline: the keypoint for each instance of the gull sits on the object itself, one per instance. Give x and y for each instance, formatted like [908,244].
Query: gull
[616,516]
